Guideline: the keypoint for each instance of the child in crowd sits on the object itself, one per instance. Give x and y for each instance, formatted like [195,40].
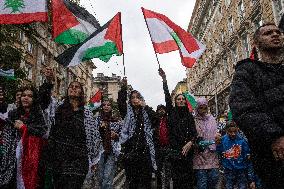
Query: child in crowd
[235,154]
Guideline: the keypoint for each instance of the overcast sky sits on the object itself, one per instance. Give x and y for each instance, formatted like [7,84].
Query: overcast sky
[139,57]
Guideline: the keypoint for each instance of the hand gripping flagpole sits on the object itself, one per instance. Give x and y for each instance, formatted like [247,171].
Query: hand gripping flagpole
[151,38]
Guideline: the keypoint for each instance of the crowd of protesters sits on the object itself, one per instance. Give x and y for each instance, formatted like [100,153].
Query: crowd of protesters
[46,143]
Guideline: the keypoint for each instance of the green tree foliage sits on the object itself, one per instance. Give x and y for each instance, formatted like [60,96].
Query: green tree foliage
[10,58]
[15,5]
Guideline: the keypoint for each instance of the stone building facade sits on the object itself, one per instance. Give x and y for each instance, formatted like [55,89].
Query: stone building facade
[39,51]
[226,28]
[109,85]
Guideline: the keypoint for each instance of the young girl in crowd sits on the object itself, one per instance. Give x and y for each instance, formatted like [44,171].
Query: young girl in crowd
[109,128]
[23,144]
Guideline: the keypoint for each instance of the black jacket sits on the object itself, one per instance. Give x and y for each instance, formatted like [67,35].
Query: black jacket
[257,102]
[180,122]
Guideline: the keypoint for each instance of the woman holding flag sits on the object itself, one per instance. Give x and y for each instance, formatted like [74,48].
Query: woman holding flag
[182,134]
[137,138]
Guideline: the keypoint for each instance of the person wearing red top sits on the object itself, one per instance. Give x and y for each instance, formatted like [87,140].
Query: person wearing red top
[162,148]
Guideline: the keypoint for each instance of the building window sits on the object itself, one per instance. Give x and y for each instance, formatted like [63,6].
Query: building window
[245,44]
[30,47]
[21,37]
[241,10]
[278,7]
[227,2]
[230,25]
[29,71]
[234,55]
[43,58]
[257,22]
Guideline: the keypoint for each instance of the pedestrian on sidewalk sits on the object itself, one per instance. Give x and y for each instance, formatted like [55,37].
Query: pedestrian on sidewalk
[205,160]
[257,104]
[182,135]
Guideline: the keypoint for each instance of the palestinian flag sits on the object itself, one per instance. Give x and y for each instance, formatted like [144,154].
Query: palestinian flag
[190,101]
[167,36]
[95,101]
[9,74]
[71,24]
[23,11]
[102,44]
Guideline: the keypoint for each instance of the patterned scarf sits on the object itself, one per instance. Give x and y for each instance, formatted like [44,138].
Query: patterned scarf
[129,129]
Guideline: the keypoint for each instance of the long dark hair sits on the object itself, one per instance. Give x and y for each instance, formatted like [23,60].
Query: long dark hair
[66,107]
[35,107]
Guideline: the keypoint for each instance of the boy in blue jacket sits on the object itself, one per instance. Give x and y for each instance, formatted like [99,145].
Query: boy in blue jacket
[235,154]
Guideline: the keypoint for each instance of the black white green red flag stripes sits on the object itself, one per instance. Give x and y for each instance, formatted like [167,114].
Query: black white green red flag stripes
[23,11]
[102,44]
[71,24]
[167,36]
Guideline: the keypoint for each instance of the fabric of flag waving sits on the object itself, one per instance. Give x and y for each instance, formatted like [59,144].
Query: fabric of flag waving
[23,11]
[71,24]
[167,36]
[190,101]
[9,74]
[103,44]
[95,101]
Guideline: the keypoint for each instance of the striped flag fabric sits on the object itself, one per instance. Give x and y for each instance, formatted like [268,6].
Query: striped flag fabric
[190,101]
[103,44]
[95,101]
[71,24]
[167,36]
[9,74]
[23,11]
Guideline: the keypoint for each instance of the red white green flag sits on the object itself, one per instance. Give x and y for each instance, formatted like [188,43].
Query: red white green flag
[71,24]
[102,44]
[23,11]
[190,101]
[95,101]
[167,36]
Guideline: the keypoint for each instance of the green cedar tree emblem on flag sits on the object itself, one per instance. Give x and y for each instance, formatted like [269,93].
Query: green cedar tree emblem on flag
[15,5]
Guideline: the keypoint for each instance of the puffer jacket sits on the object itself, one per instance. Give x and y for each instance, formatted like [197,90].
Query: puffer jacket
[257,101]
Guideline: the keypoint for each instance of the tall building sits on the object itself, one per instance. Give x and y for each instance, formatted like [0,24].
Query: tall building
[109,85]
[226,28]
[39,51]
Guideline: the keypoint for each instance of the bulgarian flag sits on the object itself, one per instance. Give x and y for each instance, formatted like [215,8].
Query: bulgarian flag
[71,24]
[95,101]
[167,36]
[190,101]
[23,11]
[9,74]
[102,44]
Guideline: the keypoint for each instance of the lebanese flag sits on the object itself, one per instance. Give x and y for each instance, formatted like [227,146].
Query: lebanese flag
[95,101]
[167,36]
[23,11]
[28,154]
[71,24]
[190,101]
[102,44]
